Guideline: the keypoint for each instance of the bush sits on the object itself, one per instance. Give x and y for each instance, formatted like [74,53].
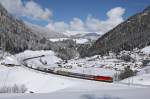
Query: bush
[13,89]
[67,53]
[126,73]
[126,58]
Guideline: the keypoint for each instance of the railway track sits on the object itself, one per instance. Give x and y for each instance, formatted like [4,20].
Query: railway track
[67,74]
[73,75]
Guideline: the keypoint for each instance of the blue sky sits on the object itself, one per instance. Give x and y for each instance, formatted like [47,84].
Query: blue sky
[75,15]
[67,9]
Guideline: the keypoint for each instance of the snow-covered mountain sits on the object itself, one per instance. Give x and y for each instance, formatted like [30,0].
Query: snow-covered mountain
[92,36]
[15,36]
[87,35]
[39,82]
[44,32]
[132,33]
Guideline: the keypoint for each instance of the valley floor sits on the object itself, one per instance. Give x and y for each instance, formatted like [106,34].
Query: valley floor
[58,87]
[46,86]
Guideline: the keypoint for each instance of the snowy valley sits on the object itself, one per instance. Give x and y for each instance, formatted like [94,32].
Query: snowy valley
[73,56]
[14,72]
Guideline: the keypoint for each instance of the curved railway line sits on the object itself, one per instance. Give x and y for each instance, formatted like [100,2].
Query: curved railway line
[72,75]
[68,74]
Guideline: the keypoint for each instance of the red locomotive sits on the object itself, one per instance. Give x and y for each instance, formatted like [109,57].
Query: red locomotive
[103,78]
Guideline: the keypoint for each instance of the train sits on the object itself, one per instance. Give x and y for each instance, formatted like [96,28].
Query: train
[103,78]
[74,75]
[86,76]
[78,75]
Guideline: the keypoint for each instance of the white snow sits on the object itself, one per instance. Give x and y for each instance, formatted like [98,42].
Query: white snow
[50,58]
[72,88]
[142,78]
[91,66]
[139,79]
[62,87]
[89,91]
[146,49]
[10,60]
[81,41]
[34,81]
[78,41]
[57,39]
[145,70]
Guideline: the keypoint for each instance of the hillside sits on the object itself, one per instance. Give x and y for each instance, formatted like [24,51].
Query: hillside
[91,36]
[132,33]
[44,32]
[15,36]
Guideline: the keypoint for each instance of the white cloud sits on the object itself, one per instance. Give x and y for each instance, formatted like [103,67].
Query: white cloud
[102,26]
[77,25]
[115,12]
[58,26]
[29,9]
[91,24]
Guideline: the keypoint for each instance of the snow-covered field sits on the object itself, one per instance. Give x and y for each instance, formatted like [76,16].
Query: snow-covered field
[101,94]
[143,77]
[56,86]
[34,81]
[83,66]
[135,93]
[65,87]
[146,49]
[78,41]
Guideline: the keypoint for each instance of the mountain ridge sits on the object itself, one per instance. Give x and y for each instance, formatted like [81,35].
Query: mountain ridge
[44,32]
[15,36]
[132,33]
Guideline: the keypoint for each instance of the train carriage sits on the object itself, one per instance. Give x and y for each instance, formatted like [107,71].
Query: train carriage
[103,78]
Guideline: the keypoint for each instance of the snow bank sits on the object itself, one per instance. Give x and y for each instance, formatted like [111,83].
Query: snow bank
[10,60]
[140,79]
[29,53]
[146,49]
[78,41]
[143,77]
[145,70]
[136,93]
[34,81]
[57,39]
[50,58]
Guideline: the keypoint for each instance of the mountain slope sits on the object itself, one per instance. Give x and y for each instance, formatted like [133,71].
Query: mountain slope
[15,36]
[44,32]
[90,35]
[134,32]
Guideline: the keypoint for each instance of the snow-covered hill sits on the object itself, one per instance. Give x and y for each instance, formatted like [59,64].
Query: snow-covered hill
[66,87]
[142,77]
[44,32]
[78,41]
[146,50]
[86,35]
[137,93]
